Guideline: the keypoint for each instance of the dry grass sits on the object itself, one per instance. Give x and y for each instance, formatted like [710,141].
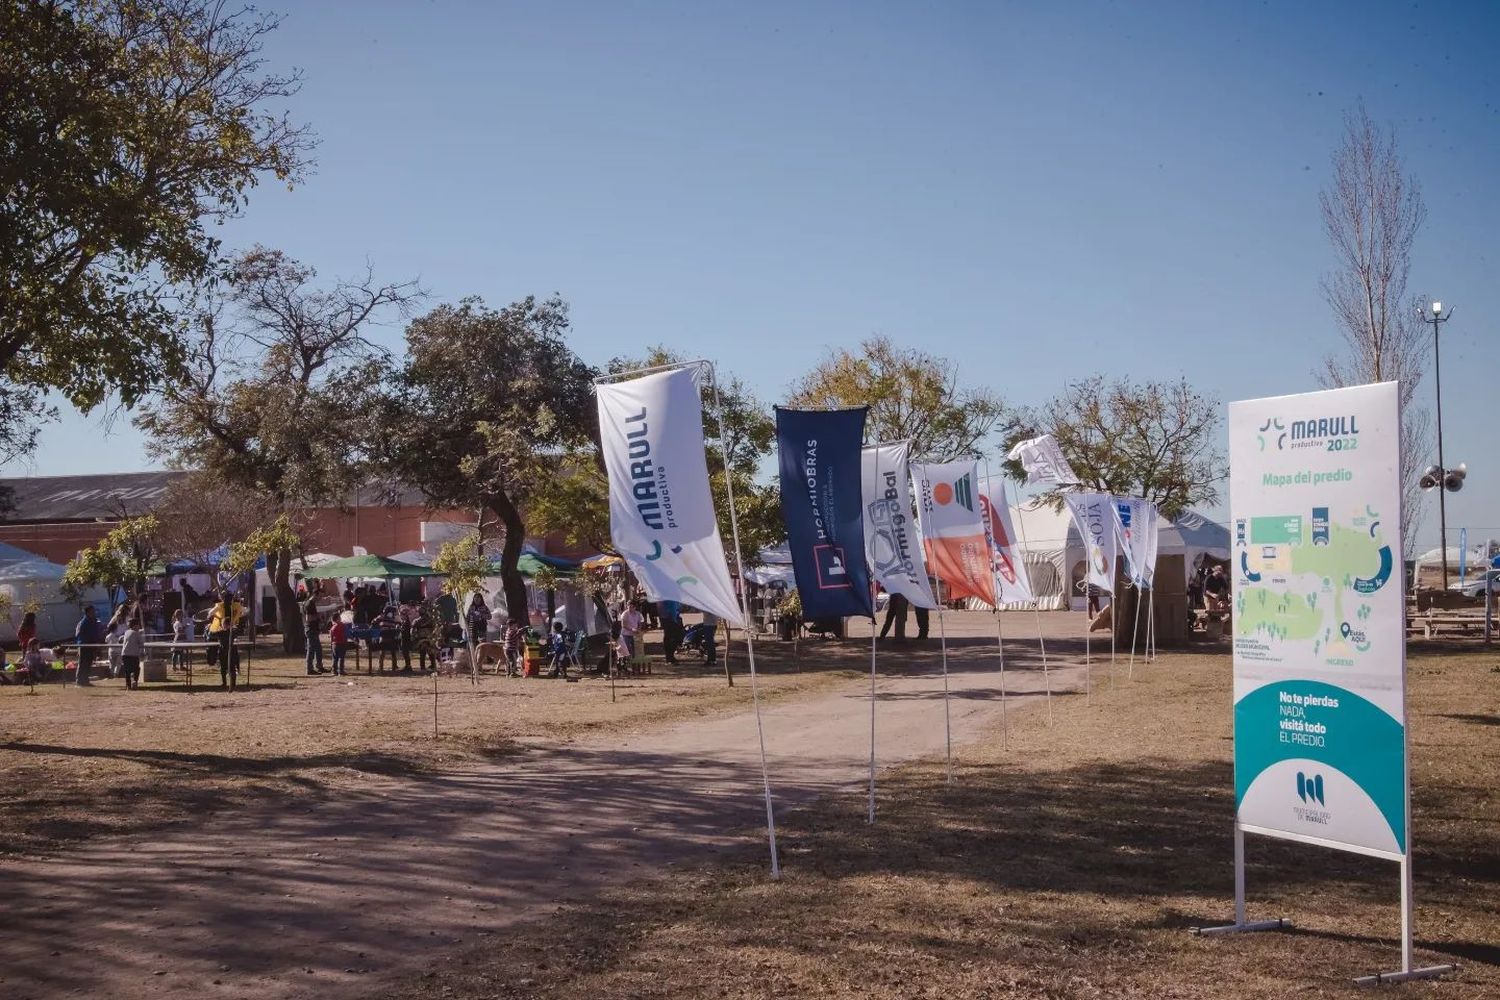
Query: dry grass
[1067,864]
[88,762]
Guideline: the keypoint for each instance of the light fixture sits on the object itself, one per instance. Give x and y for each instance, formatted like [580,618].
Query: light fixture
[1437,307]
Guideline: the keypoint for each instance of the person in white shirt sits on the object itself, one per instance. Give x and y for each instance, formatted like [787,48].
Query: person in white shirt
[630,626]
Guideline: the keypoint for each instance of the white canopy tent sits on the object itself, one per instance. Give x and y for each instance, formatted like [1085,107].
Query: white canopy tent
[1053,551]
[1428,569]
[27,577]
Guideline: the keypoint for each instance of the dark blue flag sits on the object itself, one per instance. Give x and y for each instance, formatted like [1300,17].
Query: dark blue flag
[820,504]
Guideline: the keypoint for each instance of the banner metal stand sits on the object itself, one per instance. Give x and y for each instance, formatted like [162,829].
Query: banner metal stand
[1036,609]
[989,541]
[870,817]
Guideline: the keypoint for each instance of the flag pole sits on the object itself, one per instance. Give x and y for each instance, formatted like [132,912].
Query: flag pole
[947,718]
[1151,623]
[1114,585]
[1036,608]
[989,541]
[874,633]
[1133,630]
[734,526]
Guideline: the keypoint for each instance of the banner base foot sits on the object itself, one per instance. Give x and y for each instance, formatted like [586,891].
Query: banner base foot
[1245,928]
[1381,978]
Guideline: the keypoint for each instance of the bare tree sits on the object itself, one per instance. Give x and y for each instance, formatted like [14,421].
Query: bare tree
[1371,215]
[1157,440]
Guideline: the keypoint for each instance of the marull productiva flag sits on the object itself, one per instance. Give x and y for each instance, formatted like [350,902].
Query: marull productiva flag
[1091,513]
[892,543]
[1044,462]
[953,532]
[1011,579]
[820,504]
[661,514]
[1132,525]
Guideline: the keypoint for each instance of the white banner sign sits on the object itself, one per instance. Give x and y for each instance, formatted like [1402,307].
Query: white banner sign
[1044,462]
[1096,525]
[893,545]
[1132,523]
[661,513]
[1011,578]
[953,532]
[1319,635]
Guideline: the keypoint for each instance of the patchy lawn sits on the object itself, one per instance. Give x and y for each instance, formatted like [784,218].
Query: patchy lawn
[89,762]
[1069,863]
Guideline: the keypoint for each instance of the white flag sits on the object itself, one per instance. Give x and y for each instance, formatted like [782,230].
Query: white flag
[953,530]
[1011,579]
[1091,513]
[1132,524]
[1044,462]
[893,544]
[661,513]
[1153,543]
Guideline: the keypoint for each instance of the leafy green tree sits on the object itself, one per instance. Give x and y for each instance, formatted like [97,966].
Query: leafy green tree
[464,567]
[118,561]
[487,408]
[128,130]
[1157,440]
[912,395]
[280,393]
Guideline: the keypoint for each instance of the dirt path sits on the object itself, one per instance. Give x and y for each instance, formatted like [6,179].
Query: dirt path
[332,896]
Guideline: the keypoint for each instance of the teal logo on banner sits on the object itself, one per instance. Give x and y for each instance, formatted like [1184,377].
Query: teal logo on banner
[821,506]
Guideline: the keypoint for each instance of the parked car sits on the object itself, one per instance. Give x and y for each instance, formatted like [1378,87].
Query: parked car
[1474,587]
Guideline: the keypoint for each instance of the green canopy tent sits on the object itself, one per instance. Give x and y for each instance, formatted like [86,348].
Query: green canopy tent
[366,567]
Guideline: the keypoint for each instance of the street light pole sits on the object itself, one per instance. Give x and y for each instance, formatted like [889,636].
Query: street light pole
[1436,316]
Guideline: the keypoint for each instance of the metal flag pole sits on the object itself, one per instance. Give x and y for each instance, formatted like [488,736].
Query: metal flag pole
[874,633]
[1151,623]
[1114,585]
[947,718]
[1036,608]
[989,541]
[739,562]
[1134,629]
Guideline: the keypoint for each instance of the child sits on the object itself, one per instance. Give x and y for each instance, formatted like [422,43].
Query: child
[515,638]
[558,649]
[338,638]
[179,634]
[132,646]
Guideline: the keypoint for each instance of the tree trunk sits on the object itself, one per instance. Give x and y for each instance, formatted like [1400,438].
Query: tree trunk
[510,556]
[279,568]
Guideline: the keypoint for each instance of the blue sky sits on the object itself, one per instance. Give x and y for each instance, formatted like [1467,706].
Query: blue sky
[1042,191]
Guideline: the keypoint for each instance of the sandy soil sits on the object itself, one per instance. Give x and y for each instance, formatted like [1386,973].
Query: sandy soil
[344,887]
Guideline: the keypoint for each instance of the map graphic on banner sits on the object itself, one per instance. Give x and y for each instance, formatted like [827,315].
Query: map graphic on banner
[1319,635]
[893,544]
[1011,578]
[1096,526]
[661,514]
[953,532]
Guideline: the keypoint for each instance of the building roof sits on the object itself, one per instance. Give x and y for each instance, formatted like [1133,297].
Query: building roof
[87,498]
[111,496]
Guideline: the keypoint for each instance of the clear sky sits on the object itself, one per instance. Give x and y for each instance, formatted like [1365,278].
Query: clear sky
[1040,190]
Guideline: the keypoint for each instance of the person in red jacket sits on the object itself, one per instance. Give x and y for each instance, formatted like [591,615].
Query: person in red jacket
[338,638]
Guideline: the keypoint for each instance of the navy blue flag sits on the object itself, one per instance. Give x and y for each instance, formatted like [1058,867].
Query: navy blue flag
[821,483]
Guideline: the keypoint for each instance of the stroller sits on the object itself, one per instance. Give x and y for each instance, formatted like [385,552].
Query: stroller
[700,639]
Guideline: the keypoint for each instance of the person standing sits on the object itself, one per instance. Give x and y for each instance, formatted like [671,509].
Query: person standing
[88,634]
[672,631]
[313,631]
[923,616]
[478,619]
[515,638]
[630,627]
[711,638]
[27,631]
[895,613]
[221,628]
[422,637]
[338,642]
[132,647]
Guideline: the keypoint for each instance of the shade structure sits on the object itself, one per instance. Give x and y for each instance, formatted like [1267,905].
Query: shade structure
[530,563]
[360,567]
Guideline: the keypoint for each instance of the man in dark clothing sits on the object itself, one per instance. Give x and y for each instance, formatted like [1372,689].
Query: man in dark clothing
[922,617]
[671,629]
[313,630]
[895,611]
[88,633]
